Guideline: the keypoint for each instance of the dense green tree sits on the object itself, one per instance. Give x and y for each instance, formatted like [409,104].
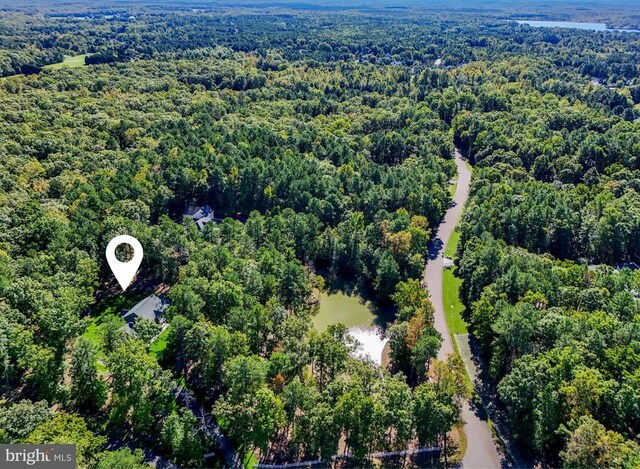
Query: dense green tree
[398,407]
[180,435]
[87,388]
[320,432]
[114,333]
[244,375]
[68,428]
[45,372]
[328,353]
[591,445]
[20,419]
[141,392]
[361,420]
[146,329]
[252,418]
[427,414]
[120,458]
[206,349]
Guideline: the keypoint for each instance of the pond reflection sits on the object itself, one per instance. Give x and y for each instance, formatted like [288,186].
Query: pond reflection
[346,303]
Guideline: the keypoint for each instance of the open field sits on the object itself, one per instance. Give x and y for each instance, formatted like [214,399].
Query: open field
[71,61]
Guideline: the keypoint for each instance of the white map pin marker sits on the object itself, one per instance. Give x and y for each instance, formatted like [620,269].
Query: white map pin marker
[124,271]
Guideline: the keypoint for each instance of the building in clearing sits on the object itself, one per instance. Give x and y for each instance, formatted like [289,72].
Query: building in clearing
[200,215]
[151,308]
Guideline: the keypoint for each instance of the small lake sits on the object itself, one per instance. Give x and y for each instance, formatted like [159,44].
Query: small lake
[573,25]
[364,319]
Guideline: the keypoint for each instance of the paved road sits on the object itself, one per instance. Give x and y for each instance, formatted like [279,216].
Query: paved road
[481,450]
[434,270]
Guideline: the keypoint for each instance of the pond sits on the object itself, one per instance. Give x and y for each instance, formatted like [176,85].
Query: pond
[366,321]
[573,25]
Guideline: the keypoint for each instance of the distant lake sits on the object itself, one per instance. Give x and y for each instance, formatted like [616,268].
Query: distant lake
[574,25]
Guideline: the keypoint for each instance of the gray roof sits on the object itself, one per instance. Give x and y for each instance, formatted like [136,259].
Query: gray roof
[200,215]
[190,211]
[152,308]
[198,212]
[203,221]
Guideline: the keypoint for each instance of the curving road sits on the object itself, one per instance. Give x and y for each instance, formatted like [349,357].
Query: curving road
[481,450]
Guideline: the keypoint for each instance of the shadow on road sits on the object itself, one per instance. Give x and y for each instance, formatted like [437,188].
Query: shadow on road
[486,407]
[435,247]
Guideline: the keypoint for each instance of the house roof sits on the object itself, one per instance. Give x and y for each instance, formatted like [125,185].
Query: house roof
[190,210]
[203,221]
[197,213]
[152,308]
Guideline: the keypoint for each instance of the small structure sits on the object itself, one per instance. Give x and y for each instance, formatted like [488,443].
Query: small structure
[447,262]
[151,308]
[628,265]
[200,215]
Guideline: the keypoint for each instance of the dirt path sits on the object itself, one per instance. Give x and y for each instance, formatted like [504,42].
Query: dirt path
[482,452]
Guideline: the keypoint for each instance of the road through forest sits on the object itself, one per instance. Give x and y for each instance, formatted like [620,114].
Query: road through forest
[481,450]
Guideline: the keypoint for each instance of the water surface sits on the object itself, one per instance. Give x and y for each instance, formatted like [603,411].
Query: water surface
[346,308]
[371,342]
[364,319]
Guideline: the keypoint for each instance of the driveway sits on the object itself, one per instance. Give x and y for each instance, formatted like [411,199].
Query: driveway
[482,452]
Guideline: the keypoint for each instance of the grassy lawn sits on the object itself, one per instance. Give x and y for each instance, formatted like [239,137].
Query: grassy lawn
[450,290]
[249,459]
[159,344]
[452,305]
[109,307]
[69,61]
[452,189]
[452,245]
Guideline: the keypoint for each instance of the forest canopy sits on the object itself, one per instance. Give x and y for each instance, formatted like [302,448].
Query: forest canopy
[324,142]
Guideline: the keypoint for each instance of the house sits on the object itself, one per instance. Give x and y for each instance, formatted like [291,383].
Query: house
[151,308]
[200,215]
[628,265]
